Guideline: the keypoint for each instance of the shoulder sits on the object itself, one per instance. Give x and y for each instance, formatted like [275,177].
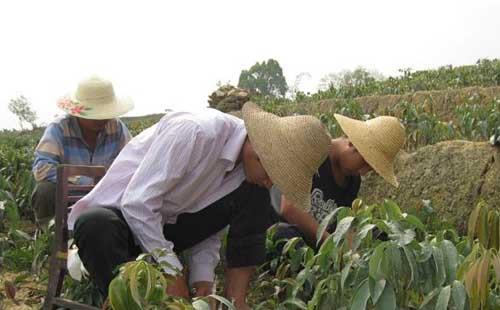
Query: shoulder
[207,122]
[57,128]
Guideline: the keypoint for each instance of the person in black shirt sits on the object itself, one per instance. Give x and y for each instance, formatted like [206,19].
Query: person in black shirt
[366,146]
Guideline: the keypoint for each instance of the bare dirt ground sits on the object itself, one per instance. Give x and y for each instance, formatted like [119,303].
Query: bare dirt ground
[29,292]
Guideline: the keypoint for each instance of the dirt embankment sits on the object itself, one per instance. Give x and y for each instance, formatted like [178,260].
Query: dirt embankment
[440,102]
[453,175]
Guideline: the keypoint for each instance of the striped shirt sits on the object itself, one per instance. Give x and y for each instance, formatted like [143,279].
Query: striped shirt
[63,143]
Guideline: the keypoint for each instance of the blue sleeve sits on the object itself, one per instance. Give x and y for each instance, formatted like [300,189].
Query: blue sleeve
[48,154]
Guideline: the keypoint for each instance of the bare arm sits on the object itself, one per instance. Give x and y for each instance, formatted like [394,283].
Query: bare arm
[306,223]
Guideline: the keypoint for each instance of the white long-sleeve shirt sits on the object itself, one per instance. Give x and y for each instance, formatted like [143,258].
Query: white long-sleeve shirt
[180,165]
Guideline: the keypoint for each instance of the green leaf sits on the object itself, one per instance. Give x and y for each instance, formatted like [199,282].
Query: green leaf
[443,298]
[410,257]
[345,274]
[415,222]
[119,295]
[342,227]
[290,245]
[376,288]
[482,227]
[440,271]
[223,301]
[392,209]
[376,261]
[387,300]
[324,224]
[403,238]
[362,235]
[295,302]
[361,296]
[200,304]
[450,257]
[458,295]
[429,297]
[471,229]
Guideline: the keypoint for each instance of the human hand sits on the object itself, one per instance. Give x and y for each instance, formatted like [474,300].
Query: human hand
[178,287]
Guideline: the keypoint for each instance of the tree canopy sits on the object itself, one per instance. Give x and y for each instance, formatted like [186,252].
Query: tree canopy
[266,78]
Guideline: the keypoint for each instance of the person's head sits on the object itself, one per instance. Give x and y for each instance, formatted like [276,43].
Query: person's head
[376,142]
[94,99]
[284,151]
[350,161]
[254,171]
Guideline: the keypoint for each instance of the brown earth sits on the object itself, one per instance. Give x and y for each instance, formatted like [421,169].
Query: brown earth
[453,175]
[29,291]
[441,102]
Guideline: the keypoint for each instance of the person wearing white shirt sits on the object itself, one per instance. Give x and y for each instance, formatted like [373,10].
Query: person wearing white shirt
[179,183]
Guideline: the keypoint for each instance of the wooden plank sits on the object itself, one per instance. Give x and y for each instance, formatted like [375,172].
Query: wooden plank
[72,304]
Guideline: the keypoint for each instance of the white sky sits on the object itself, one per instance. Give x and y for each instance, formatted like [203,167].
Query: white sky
[171,54]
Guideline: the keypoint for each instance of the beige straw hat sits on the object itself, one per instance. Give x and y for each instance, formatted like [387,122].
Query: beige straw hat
[95,99]
[291,149]
[378,140]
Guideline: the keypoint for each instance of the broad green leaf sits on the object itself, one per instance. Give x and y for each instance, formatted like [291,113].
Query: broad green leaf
[342,227]
[295,302]
[471,229]
[415,221]
[493,229]
[324,224]
[495,261]
[443,298]
[290,245]
[429,297]
[450,257]
[361,296]
[440,275]
[376,261]
[223,301]
[119,296]
[410,258]
[376,289]
[362,235]
[200,304]
[458,295]
[345,274]
[403,238]
[482,278]
[482,227]
[387,300]
[392,209]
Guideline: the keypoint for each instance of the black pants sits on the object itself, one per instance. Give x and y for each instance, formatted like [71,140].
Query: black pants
[105,240]
[43,202]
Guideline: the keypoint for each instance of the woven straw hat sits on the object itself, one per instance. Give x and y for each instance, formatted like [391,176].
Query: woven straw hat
[378,140]
[291,149]
[95,99]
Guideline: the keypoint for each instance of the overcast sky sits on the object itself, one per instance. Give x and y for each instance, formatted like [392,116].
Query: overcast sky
[171,54]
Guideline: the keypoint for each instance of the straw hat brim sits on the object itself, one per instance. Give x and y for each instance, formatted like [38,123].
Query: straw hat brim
[269,139]
[97,110]
[360,136]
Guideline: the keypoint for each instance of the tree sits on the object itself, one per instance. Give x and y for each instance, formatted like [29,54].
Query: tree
[21,108]
[266,78]
[360,76]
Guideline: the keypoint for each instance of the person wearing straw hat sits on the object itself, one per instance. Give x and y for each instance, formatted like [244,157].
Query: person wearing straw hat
[89,134]
[367,145]
[179,183]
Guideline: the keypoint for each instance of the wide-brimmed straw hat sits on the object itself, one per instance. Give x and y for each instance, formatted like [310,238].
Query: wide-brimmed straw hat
[95,98]
[291,149]
[378,140]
